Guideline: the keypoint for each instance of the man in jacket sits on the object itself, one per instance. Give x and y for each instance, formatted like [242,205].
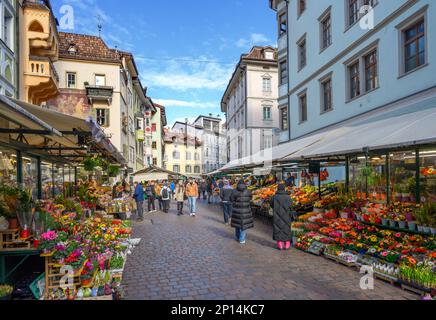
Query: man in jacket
[151,197]
[192,193]
[225,195]
[242,217]
[281,204]
[203,187]
[166,197]
[139,196]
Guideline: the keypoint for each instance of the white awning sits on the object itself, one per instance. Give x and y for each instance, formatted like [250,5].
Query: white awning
[408,126]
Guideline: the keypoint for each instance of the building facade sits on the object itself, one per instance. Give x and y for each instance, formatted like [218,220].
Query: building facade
[347,58]
[183,154]
[39,50]
[9,46]
[250,103]
[158,123]
[103,83]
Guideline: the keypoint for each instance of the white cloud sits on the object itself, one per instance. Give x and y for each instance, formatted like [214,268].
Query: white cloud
[186,74]
[253,39]
[186,104]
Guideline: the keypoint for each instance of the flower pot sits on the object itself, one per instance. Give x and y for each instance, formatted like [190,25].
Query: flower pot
[402,224]
[420,229]
[13,223]
[86,282]
[426,229]
[412,225]
[433,231]
[385,222]
[392,223]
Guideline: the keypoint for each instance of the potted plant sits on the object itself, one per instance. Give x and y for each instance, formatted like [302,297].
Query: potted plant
[10,204]
[6,292]
[401,219]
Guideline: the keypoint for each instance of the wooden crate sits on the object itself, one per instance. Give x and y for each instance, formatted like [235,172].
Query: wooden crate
[10,239]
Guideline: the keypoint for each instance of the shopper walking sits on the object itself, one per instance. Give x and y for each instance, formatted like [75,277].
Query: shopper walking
[166,197]
[242,217]
[203,189]
[173,189]
[138,195]
[225,195]
[192,193]
[281,204]
[151,197]
[180,197]
[209,190]
[158,189]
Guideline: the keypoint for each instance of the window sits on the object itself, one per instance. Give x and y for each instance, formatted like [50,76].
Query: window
[8,25]
[155,161]
[176,168]
[353,11]
[371,73]
[196,157]
[132,154]
[267,116]
[283,72]
[326,95]
[188,169]
[153,127]
[154,145]
[71,80]
[267,140]
[197,169]
[188,156]
[354,78]
[176,155]
[269,55]
[301,6]
[414,46]
[284,119]
[100,80]
[103,117]
[283,23]
[303,107]
[302,53]
[267,84]
[326,32]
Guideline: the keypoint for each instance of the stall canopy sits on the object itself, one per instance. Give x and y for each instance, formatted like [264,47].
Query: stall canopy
[154,173]
[77,138]
[408,126]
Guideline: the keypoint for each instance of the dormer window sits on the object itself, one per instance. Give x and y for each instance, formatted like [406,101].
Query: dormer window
[72,49]
[269,55]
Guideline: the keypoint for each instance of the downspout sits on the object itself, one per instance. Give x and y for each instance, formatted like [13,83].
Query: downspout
[289,69]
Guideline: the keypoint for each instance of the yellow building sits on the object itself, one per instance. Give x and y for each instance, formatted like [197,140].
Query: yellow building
[183,154]
[39,48]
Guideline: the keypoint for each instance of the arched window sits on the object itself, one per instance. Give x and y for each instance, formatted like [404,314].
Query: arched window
[35,26]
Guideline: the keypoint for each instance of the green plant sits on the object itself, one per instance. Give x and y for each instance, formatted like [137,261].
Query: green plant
[91,163]
[426,214]
[5,291]
[116,262]
[113,171]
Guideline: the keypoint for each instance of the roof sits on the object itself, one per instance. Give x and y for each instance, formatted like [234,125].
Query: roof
[170,136]
[88,48]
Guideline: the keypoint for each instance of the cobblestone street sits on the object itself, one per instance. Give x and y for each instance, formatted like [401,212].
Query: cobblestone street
[198,258]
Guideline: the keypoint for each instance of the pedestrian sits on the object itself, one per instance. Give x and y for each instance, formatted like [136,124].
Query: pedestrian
[203,189]
[151,197]
[166,197]
[158,189]
[192,193]
[180,197]
[139,199]
[281,204]
[242,217]
[173,189]
[225,195]
[290,181]
[209,190]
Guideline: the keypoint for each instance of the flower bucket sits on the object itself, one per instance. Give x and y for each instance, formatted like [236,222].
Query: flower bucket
[426,229]
[420,229]
[343,214]
[402,224]
[385,222]
[392,223]
[412,225]
[433,231]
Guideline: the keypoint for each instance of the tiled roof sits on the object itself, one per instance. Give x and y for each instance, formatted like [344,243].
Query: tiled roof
[258,53]
[90,48]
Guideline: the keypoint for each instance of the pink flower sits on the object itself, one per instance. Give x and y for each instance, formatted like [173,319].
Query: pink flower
[385,254]
[49,236]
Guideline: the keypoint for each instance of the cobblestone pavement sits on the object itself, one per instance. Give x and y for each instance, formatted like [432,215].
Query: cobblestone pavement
[185,258]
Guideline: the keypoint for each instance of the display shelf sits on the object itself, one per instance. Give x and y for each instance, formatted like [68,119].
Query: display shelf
[380,226]
[10,239]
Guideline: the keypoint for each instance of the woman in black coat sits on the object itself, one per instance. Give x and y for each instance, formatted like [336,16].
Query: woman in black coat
[281,204]
[242,217]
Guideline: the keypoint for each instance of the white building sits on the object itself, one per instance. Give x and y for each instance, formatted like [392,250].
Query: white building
[346,59]
[250,104]
[209,131]
[8,48]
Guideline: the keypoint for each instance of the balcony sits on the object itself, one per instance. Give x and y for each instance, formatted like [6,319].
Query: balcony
[41,80]
[40,29]
[99,93]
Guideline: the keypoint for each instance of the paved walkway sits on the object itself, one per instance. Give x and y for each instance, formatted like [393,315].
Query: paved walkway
[188,258]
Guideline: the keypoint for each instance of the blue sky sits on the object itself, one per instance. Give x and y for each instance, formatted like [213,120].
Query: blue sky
[186,50]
